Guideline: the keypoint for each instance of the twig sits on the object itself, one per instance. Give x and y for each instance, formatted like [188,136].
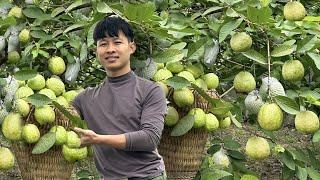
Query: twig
[227,92]
[269,66]
[255,133]
[236,63]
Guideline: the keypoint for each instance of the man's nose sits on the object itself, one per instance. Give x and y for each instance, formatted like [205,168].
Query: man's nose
[110,48]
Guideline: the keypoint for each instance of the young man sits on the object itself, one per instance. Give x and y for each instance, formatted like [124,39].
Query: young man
[125,113]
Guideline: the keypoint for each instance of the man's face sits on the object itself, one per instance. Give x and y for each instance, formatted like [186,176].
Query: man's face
[114,53]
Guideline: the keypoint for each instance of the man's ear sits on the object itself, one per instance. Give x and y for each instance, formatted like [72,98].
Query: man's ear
[133,47]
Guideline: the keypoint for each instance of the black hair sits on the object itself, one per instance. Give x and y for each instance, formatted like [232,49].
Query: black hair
[111,26]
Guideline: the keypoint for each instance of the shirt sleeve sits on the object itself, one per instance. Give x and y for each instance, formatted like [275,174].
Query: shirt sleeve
[152,123]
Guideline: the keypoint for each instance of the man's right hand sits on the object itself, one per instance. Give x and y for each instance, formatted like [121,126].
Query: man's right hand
[87,136]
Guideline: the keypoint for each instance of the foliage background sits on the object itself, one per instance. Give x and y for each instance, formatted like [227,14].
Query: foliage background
[65,28]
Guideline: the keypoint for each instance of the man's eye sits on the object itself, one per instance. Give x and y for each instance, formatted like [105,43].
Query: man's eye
[103,44]
[118,42]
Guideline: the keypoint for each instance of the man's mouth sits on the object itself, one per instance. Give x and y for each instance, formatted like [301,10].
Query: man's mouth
[112,58]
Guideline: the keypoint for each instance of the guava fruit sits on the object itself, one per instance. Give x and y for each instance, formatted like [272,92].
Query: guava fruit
[240,42]
[292,70]
[37,83]
[294,11]
[30,133]
[244,82]
[172,116]
[183,97]
[212,80]
[270,117]
[257,148]
[306,122]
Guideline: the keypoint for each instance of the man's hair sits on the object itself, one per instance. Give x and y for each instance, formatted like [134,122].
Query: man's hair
[111,26]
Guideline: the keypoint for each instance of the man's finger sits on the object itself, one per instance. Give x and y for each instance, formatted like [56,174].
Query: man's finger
[79,130]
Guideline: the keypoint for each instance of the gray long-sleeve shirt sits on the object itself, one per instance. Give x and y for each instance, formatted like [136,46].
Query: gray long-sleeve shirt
[127,105]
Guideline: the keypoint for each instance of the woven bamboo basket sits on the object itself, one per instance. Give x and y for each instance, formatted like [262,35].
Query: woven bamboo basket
[49,165]
[183,155]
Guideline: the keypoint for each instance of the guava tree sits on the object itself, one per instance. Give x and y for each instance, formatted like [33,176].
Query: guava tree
[262,57]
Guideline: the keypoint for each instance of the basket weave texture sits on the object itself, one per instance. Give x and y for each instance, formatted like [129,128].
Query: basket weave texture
[183,154]
[49,165]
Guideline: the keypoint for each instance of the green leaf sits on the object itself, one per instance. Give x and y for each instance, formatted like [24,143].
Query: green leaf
[75,120]
[290,42]
[90,40]
[209,174]
[177,82]
[287,104]
[230,2]
[33,12]
[256,56]
[213,149]
[60,44]
[3,82]
[229,143]
[312,18]
[221,108]
[102,7]
[298,154]
[227,28]
[27,50]
[313,173]
[235,122]
[316,137]
[139,12]
[73,27]
[44,53]
[315,58]
[57,33]
[232,13]
[288,174]
[83,53]
[40,35]
[301,173]
[23,75]
[180,33]
[306,44]
[45,143]
[210,10]
[239,165]
[287,159]
[183,126]
[178,46]
[314,162]
[167,55]
[77,5]
[282,50]
[83,174]
[38,99]
[196,49]
[236,155]
[8,21]
[57,11]
[259,16]
[265,3]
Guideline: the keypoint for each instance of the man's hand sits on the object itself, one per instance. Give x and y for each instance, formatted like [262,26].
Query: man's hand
[87,136]
[90,137]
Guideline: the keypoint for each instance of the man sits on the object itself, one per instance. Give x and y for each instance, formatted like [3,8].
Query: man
[125,113]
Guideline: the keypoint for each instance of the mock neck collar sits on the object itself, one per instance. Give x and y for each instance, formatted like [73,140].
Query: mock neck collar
[121,78]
